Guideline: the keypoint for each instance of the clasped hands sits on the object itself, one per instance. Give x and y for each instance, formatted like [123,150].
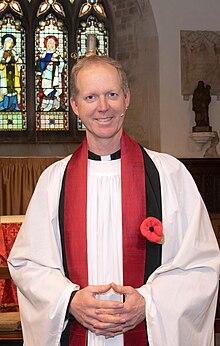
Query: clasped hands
[107,317]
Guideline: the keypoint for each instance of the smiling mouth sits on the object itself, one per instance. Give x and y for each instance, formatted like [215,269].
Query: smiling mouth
[104,120]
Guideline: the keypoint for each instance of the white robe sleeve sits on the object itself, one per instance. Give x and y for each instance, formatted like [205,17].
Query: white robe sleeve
[35,264]
[181,294]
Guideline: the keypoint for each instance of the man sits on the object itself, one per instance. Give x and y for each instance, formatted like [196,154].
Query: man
[85,273]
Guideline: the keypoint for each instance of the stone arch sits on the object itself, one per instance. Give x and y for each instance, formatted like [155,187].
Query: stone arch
[136,47]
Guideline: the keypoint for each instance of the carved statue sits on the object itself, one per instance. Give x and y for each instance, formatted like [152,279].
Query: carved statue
[201,100]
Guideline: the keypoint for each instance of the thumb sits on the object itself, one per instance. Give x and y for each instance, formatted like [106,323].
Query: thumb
[118,288]
[102,288]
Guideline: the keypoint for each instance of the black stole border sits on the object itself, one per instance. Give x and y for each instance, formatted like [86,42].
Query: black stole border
[154,208]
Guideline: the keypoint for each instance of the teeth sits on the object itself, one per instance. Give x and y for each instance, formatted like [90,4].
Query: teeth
[104,119]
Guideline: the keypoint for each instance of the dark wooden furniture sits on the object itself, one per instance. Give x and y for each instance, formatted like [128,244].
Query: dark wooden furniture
[206,173]
[13,333]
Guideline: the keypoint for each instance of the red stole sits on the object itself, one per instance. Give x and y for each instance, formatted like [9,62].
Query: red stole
[133,213]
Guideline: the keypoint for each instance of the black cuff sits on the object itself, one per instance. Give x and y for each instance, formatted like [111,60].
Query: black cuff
[68,315]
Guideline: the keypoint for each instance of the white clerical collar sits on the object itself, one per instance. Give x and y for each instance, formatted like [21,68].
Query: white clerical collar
[106,158]
[114,156]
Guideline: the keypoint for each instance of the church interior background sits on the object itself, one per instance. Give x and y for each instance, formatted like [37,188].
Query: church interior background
[165,48]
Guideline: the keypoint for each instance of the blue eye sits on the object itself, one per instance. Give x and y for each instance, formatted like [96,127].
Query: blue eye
[112,95]
[90,98]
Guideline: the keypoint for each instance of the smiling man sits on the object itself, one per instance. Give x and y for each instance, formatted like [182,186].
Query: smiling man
[86,274]
[100,100]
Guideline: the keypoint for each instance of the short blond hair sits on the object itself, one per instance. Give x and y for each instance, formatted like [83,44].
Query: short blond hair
[92,60]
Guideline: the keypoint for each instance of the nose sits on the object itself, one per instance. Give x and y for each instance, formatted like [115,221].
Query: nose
[102,105]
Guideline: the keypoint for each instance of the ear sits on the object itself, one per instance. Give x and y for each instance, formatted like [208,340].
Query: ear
[74,106]
[127,98]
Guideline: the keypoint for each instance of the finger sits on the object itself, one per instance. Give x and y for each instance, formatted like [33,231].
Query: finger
[108,304]
[109,331]
[118,311]
[97,289]
[113,334]
[114,318]
[102,322]
[128,327]
[121,289]
[100,327]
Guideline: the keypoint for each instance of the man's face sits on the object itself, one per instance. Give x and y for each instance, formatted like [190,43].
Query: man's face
[100,103]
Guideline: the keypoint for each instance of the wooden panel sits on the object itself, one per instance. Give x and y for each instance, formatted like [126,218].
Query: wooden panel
[11,335]
[206,173]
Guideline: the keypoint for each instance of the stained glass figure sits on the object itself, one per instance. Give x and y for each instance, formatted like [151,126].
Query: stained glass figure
[51,76]
[12,75]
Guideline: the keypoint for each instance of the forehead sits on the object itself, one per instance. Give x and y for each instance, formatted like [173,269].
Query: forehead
[8,40]
[98,75]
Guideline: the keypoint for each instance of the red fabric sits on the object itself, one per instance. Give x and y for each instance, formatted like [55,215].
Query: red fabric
[133,213]
[75,202]
[8,233]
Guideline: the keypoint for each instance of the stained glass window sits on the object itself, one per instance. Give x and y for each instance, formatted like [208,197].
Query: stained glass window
[12,75]
[92,26]
[49,35]
[51,82]
[98,30]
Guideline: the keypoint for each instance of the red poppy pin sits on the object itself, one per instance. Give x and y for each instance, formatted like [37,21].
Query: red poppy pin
[152,229]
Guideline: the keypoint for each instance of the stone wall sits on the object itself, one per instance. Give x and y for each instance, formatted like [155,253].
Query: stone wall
[136,47]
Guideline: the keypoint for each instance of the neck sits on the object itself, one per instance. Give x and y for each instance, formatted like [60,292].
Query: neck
[104,146]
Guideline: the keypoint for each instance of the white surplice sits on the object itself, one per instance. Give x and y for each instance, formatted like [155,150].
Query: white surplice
[180,295]
[104,233]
